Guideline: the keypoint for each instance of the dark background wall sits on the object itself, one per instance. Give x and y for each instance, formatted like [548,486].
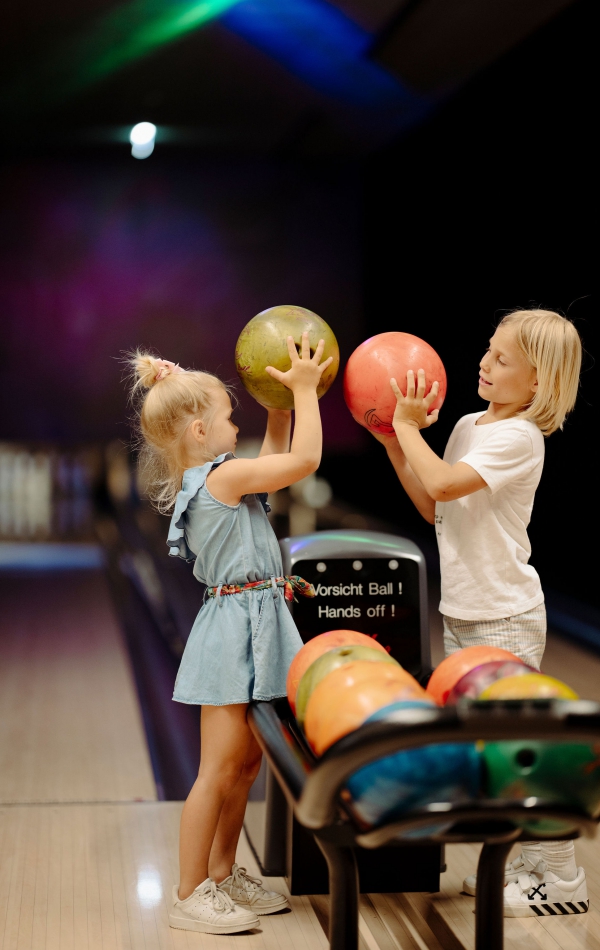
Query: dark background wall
[488,207]
[101,255]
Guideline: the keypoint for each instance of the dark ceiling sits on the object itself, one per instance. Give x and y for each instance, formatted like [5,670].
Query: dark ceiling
[254,76]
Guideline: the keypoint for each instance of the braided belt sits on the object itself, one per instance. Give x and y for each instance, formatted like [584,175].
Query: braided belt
[290,583]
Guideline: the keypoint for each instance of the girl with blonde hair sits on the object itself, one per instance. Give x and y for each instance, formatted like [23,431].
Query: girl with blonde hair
[244,638]
[480,497]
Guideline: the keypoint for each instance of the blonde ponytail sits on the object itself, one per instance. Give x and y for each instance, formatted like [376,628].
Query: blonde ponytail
[166,400]
[149,370]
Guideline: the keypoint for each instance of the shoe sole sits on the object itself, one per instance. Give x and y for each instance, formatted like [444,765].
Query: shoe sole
[263,911]
[198,926]
[547,909]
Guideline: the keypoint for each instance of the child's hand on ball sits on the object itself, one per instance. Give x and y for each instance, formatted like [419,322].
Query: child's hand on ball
[413,409]
[305,371]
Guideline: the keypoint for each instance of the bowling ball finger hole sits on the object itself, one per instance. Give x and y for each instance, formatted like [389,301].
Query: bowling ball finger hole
[298,350]
[526,759]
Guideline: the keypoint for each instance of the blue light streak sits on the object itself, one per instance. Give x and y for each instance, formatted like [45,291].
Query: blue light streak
[319,45]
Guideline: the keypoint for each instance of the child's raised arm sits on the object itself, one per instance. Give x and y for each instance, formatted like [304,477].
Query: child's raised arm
[268,473]
[423,502]
[425,477]
[441,481]
[277,436]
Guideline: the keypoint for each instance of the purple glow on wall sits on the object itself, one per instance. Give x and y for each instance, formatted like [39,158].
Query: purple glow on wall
[98,258]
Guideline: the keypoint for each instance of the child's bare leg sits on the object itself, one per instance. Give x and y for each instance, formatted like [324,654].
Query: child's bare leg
[224,741]
[222,855]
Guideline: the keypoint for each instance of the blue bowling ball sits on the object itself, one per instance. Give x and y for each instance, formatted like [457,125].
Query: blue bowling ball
[398,783]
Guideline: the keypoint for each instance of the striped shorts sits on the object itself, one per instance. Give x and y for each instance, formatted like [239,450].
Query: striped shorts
[523,634]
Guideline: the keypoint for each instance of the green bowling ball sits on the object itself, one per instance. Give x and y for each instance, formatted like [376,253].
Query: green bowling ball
[329,662]
[563,772]
[262,343]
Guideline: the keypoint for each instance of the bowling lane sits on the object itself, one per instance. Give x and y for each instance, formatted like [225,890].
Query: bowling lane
[70,723]
[88,857]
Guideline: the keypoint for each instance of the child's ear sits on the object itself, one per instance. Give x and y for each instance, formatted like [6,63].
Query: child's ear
[197,430]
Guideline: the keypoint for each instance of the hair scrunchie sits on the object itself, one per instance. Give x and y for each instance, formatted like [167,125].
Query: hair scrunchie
[166,367]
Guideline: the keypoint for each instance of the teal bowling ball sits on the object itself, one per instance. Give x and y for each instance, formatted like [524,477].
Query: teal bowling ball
[396,784]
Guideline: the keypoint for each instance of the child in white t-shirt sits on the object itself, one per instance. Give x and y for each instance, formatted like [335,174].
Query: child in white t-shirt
[480,498]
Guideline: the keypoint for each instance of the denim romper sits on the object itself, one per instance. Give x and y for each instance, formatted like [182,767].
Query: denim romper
[241,645]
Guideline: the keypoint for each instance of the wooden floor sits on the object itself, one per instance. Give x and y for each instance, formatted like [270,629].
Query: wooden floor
[96,877]
[88,857]
[70,724]
[99,876]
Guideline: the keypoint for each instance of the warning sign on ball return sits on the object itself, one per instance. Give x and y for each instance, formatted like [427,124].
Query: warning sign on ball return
[376,596]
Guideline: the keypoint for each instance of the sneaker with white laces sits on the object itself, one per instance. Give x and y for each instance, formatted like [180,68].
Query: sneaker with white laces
[248,892]
[209,910]
[519,865]
[545,895]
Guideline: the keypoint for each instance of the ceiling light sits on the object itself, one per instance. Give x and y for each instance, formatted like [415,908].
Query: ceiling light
[142,138]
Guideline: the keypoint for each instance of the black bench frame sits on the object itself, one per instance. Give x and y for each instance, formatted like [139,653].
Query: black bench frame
[312,787]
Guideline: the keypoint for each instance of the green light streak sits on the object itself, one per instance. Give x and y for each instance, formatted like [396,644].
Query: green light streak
[124,35]
[140,27]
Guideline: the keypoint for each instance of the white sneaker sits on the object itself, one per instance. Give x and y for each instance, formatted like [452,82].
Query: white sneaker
[545,895]
[248,892]
[519,865]
[209,910]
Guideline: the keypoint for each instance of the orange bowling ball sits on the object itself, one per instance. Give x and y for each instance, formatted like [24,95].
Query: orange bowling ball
[445,677]
[315,648]
[349,695]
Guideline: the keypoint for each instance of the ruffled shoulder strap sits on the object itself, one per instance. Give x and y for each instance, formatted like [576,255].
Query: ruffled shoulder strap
[193,480]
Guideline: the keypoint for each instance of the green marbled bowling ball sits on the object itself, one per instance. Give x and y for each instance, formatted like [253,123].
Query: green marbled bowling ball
[262,343]
[329,662]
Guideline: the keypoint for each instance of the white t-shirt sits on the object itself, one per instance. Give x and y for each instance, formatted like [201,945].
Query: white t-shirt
[482,538]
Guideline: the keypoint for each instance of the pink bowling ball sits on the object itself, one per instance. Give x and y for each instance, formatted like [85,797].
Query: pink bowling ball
[473,683]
